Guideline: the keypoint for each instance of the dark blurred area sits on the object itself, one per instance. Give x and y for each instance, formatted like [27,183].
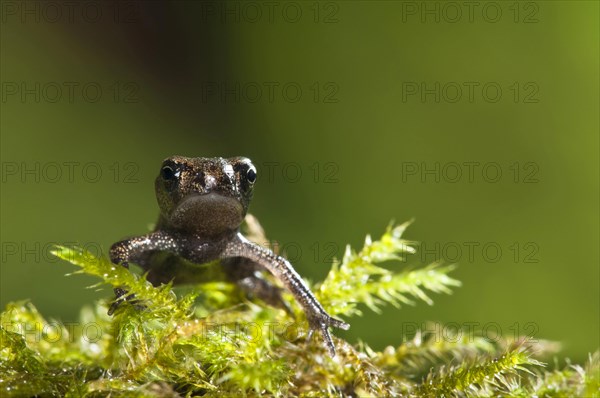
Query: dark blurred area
[478,119]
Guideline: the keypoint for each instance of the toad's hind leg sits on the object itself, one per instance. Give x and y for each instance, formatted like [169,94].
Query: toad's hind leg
[247,275]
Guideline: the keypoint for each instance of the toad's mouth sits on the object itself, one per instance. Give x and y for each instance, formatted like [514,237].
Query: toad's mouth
[210,213]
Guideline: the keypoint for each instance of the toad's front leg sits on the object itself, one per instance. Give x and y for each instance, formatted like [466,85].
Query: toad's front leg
[318,318]
[136,250]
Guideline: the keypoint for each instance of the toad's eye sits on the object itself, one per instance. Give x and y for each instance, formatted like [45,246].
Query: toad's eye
[251,175]
[168,173]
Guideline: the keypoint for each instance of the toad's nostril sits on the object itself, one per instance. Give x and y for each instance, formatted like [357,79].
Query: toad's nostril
[199,180]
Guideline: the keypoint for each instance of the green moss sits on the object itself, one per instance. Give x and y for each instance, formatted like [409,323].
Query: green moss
[214,342]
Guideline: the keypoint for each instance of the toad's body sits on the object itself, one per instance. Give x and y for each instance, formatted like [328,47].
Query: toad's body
[203,202]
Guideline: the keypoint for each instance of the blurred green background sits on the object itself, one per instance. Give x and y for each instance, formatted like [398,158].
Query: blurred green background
[344,107]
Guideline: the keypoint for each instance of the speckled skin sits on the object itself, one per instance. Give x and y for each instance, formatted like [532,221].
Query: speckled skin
[202,203]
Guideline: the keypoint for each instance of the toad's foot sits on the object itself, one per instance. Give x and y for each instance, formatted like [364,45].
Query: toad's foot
[321,323]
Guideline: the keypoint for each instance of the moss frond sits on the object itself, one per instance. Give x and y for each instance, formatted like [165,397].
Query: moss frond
[573,380]
[413,360]
[359,280]
[163,297]
[481,374]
